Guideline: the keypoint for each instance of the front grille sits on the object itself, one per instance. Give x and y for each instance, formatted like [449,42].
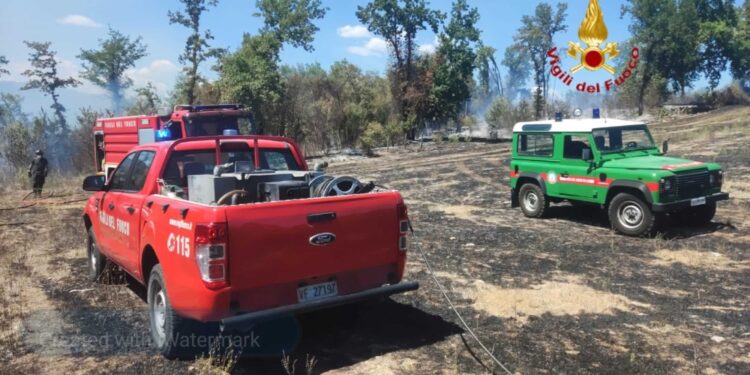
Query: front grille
[692,184]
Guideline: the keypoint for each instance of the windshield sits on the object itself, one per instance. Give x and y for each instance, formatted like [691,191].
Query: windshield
[207,126]
[623,139]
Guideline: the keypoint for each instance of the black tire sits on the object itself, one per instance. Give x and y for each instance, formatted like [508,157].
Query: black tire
[97,262]
[532,200]
[174,336]
[631,216]
[697,216]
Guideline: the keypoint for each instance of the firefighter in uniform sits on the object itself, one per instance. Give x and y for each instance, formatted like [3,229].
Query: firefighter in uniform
[38,172]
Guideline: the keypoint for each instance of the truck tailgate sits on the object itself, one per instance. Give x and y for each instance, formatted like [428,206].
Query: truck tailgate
[272,243]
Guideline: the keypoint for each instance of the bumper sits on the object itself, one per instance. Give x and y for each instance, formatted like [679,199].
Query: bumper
[238,321]
[684,204]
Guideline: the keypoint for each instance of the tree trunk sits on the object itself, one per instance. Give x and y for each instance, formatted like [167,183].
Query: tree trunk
[642,91]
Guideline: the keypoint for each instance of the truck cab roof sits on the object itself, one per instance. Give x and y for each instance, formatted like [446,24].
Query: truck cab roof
[201,143]
[571,125]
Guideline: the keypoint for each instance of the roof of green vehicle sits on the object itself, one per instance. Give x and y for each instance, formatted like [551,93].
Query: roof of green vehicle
[571,125]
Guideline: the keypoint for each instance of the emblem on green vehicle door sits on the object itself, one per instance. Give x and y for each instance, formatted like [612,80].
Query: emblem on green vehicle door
[552,177]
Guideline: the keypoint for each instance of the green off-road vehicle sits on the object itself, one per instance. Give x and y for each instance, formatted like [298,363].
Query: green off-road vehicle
[614,164]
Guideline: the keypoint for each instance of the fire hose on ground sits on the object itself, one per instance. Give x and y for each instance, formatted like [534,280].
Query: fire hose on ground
[453,307]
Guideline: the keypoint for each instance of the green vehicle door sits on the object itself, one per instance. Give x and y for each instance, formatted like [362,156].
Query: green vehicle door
[576,177]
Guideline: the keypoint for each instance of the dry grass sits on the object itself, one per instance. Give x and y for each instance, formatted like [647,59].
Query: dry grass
[562,295]
[218,361]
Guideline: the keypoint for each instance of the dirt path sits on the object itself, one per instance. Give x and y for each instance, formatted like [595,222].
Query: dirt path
[560,295]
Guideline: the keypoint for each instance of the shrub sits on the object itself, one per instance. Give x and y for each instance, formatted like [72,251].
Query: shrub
[375,135]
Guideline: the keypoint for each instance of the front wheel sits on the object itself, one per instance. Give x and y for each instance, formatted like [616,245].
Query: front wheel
[630,215]
[96,261]
[533,201]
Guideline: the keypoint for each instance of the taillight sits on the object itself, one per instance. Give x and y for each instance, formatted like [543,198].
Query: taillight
[403,227]
[211,254]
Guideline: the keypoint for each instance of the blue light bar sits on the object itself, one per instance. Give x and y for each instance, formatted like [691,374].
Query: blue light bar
[558,116]
[596,113]
[163,135]
[230,132]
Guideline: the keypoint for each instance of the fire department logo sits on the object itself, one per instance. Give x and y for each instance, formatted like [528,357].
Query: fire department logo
[593,32]
[591,56]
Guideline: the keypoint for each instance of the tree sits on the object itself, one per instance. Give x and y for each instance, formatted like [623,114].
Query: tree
[197,48]
[44,76]
[251,76]
[3,62]
[741,47]
[717,37]
[82,139]
[106,66]
[19,140]
[536,36]
[291,20]
[10,110]
[490,78]
[456,62]
[651,29]
[147,101]
[398,22]
[516,61]
[499,116]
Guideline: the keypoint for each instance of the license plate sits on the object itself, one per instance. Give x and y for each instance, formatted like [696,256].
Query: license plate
[698,201]
[317,291]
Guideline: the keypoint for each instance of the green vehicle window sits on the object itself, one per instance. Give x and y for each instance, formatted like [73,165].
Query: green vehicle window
[573,146]
[623,139]
[535,144]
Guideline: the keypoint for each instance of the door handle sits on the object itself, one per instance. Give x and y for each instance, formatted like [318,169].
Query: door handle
[130,209]
[325,216]
[564,175]
[111,206]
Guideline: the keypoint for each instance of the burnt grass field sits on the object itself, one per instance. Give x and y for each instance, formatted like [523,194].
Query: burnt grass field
[557,295]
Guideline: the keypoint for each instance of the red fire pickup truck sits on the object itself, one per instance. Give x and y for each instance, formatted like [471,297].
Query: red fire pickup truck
[234,229]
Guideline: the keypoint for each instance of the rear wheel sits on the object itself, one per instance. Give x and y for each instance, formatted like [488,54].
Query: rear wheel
[630,215]
[174,336]
[532,200]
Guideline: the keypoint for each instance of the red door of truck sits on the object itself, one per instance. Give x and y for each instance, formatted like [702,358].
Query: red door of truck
[125,202]
[108,237]
[131,206]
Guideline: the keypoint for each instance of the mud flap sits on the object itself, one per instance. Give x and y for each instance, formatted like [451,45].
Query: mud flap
[514,198]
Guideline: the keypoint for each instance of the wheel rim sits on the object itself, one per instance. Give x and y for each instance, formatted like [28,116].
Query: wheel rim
[530,201]
[630,215]
[158,314]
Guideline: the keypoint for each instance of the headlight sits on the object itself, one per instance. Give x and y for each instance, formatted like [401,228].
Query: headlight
[716,178]
[666,184]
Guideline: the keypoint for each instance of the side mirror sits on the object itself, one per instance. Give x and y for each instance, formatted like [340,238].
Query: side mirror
[586,154]
[94,183]
[665,146]
[320,167]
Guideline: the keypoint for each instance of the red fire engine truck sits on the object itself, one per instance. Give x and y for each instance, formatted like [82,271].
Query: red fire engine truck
[115,137]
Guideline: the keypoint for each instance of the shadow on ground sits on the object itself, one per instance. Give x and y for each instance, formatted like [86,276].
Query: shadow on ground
[347,335]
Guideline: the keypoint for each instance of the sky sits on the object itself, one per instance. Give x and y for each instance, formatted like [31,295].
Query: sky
[72,25]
